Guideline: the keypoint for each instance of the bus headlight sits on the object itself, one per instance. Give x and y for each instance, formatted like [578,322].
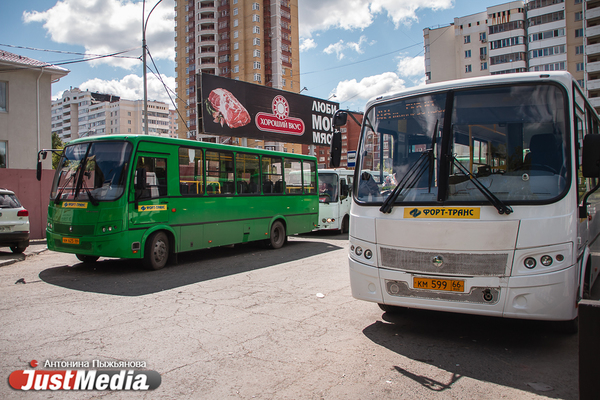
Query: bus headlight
[546,260]
[358,251]
[530,262]
[368,254]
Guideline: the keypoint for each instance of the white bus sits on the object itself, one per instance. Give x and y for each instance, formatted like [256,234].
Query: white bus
[493,211]
[334,199]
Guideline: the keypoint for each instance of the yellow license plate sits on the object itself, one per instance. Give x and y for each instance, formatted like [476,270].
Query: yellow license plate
[70,240]
[449,285]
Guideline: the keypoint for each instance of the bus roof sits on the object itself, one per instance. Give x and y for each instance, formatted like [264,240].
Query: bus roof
[187,142]
[563,77]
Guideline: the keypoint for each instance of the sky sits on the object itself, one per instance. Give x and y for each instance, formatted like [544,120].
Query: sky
[350,50]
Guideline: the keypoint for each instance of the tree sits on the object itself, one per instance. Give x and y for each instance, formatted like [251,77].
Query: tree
[57,143]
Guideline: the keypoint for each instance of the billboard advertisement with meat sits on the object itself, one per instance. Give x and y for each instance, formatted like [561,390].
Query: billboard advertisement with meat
[240,109]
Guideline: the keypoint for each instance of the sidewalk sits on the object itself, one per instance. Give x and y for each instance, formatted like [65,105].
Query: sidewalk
[36,246]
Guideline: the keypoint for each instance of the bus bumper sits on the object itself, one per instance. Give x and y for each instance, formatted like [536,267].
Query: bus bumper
[117,245]
[550,296]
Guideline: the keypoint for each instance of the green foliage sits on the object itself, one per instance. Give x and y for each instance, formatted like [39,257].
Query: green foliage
[57,143]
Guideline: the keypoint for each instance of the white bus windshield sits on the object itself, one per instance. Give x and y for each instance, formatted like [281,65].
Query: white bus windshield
[328,188]
[509,139]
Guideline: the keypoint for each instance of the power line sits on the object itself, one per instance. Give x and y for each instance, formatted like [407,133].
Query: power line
[159,77]
[361,61]
[64,51]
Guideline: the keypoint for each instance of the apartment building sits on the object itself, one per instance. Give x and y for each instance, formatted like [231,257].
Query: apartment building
[81,113]
[253,41]
[518,36]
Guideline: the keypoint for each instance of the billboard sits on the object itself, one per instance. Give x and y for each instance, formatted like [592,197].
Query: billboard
[233,108]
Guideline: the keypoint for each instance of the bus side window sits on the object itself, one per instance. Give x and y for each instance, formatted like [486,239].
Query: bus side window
[156,177]
[343,189]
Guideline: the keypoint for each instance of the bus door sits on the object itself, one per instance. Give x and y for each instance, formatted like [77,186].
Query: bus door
[150,202]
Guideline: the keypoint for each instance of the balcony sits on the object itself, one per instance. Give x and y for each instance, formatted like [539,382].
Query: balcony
[592,32]
[593,67]
[593,49]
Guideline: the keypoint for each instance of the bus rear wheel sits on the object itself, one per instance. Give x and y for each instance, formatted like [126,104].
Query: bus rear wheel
[278,236]
[156,253]
[86,259]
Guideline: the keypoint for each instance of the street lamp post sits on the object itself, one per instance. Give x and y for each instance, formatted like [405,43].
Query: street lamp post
[144,26]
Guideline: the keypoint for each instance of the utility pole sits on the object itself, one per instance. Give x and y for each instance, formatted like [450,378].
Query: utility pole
[144,49]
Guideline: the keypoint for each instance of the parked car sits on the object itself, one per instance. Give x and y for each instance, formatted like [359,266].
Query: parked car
[14,222]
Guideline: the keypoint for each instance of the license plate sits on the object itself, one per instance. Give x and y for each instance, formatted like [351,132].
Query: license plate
[70,240]
[449,285]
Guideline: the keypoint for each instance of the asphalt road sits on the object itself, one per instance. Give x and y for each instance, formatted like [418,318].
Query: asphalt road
[251,323]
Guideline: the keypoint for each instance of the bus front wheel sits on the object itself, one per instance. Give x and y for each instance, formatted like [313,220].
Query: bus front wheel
[156,253]
[86,259]
[278,236]
[345,224]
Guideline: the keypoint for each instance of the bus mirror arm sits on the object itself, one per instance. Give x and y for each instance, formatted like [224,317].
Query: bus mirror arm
[583,211]
[42,154]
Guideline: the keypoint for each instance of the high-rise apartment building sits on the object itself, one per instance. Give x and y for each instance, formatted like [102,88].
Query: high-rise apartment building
[249,40]
[81,113]
[536,35]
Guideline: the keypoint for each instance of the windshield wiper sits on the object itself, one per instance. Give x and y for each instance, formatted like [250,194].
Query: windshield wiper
[412,176]
[495,201]
[408,181]
[62,189]
[89,193]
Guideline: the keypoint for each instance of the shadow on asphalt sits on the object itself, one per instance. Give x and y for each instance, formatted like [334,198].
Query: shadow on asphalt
[526,355]
[127,277]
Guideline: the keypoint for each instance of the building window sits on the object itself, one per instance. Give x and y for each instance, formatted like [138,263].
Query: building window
[483,66]
[579,49]
[579,67]
[236,34]
[255,6]
[235,23]
[129,122]
[579,16]
[256,41]
[256,64]
[235,11]
[236,57]
[257,78]
[255,29]
[467,39]
[579,32]
[3,96]
[468,68]
[255,18]
[236,46]
[467,53]
[236,69]
[3,146]
[257,53]
[482,36]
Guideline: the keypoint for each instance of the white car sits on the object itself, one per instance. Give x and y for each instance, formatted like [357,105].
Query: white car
[14,222]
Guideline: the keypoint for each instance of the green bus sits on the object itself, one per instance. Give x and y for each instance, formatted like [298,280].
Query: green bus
[147,197]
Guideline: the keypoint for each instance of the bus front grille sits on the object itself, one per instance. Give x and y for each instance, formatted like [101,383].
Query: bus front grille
[491,264]
[78,230]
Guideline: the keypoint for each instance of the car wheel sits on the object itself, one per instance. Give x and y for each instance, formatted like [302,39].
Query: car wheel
[17,249]
[278,236]
[86,259]
[156,253]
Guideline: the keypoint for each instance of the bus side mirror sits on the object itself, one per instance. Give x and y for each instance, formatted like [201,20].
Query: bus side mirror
[38,172]
[590,162]
[340,118]
[335,151]
[140,179]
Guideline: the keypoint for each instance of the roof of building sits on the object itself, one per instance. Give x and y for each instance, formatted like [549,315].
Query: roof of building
[8,58]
